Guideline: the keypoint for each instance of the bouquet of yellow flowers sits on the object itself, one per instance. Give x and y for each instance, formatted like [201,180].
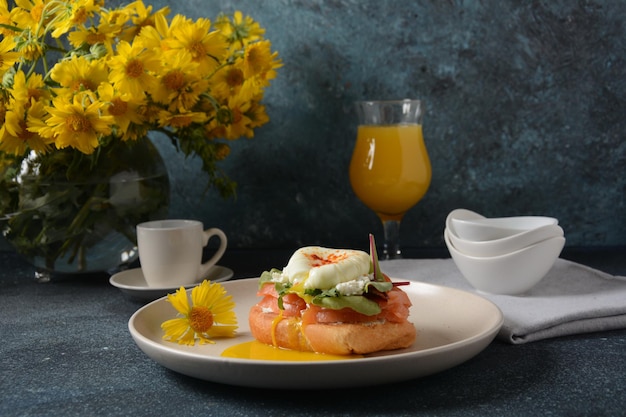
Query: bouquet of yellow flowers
[82,83]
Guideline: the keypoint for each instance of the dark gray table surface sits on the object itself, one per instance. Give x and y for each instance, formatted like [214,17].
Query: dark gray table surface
[66,351]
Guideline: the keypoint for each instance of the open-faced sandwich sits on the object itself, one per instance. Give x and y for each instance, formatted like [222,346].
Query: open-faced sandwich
[333,301]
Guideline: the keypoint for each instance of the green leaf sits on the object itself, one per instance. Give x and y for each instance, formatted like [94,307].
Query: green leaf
[357,303]
[266,276]
[382,286]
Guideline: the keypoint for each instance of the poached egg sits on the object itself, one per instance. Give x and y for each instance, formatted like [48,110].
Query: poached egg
[324,268]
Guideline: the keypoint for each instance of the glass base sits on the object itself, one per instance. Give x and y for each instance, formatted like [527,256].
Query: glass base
[42,276]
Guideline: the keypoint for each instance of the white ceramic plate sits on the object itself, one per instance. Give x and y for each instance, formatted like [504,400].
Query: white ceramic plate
[133,283]
[453,326]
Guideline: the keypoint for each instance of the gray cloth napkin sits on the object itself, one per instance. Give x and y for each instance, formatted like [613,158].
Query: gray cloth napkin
[570,299]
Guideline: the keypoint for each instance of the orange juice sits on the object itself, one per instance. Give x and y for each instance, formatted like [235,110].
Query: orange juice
[390,170]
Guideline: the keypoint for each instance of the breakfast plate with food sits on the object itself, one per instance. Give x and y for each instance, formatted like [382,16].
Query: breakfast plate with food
[331,316]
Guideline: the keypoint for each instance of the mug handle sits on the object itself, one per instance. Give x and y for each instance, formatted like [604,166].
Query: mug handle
[206,235]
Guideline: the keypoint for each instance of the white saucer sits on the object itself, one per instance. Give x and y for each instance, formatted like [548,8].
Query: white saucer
[133,283]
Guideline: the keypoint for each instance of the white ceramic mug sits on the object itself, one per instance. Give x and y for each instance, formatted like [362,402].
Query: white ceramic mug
[170,251]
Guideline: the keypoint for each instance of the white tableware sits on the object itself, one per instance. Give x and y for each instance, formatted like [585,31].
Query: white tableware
[481,230]
[496,247]
[452,327]
[511,274]
[170,251]
[461,214]
[133,283]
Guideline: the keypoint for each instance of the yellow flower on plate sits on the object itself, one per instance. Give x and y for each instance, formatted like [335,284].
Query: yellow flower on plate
[210,315]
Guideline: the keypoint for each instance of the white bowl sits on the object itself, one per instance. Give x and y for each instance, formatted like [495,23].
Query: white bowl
[461,214]
[507,244]
[511,274]
[484,229]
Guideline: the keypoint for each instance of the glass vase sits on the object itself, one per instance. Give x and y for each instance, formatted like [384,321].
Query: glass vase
[74,214]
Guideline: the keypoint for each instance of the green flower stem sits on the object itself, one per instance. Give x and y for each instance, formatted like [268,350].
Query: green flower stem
[82,222]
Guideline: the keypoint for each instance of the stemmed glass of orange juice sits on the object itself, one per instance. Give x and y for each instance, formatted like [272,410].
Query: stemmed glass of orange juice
[390,170]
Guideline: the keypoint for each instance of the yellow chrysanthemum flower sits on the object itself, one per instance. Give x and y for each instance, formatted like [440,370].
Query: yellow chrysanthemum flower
[24,89]
[260,62]
[132,69]
[222,150]
[124,110]
[5,19]
[179,86]
[15,138]
[29,14]
[241,123]
[150,113]
[79,74]
[77,123]
[228,81]
[206,47]
[7,56]
[72,14]
[116,17]
[241,29]
[152,37]
[210,315]
[257,114]
[141,17]
[30,47]
[103,34]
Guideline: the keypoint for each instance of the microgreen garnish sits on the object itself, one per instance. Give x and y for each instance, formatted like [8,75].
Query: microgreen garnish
[378,274]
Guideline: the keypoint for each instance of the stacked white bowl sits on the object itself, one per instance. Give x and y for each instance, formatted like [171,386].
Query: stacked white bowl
[504,255]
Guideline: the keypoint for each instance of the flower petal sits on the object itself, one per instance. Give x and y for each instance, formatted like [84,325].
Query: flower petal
[179,301]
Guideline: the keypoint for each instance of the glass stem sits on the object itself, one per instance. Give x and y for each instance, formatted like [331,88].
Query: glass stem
[391,248]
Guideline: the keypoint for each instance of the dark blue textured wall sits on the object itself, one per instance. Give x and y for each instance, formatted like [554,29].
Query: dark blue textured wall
[525,115]
[525,100]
